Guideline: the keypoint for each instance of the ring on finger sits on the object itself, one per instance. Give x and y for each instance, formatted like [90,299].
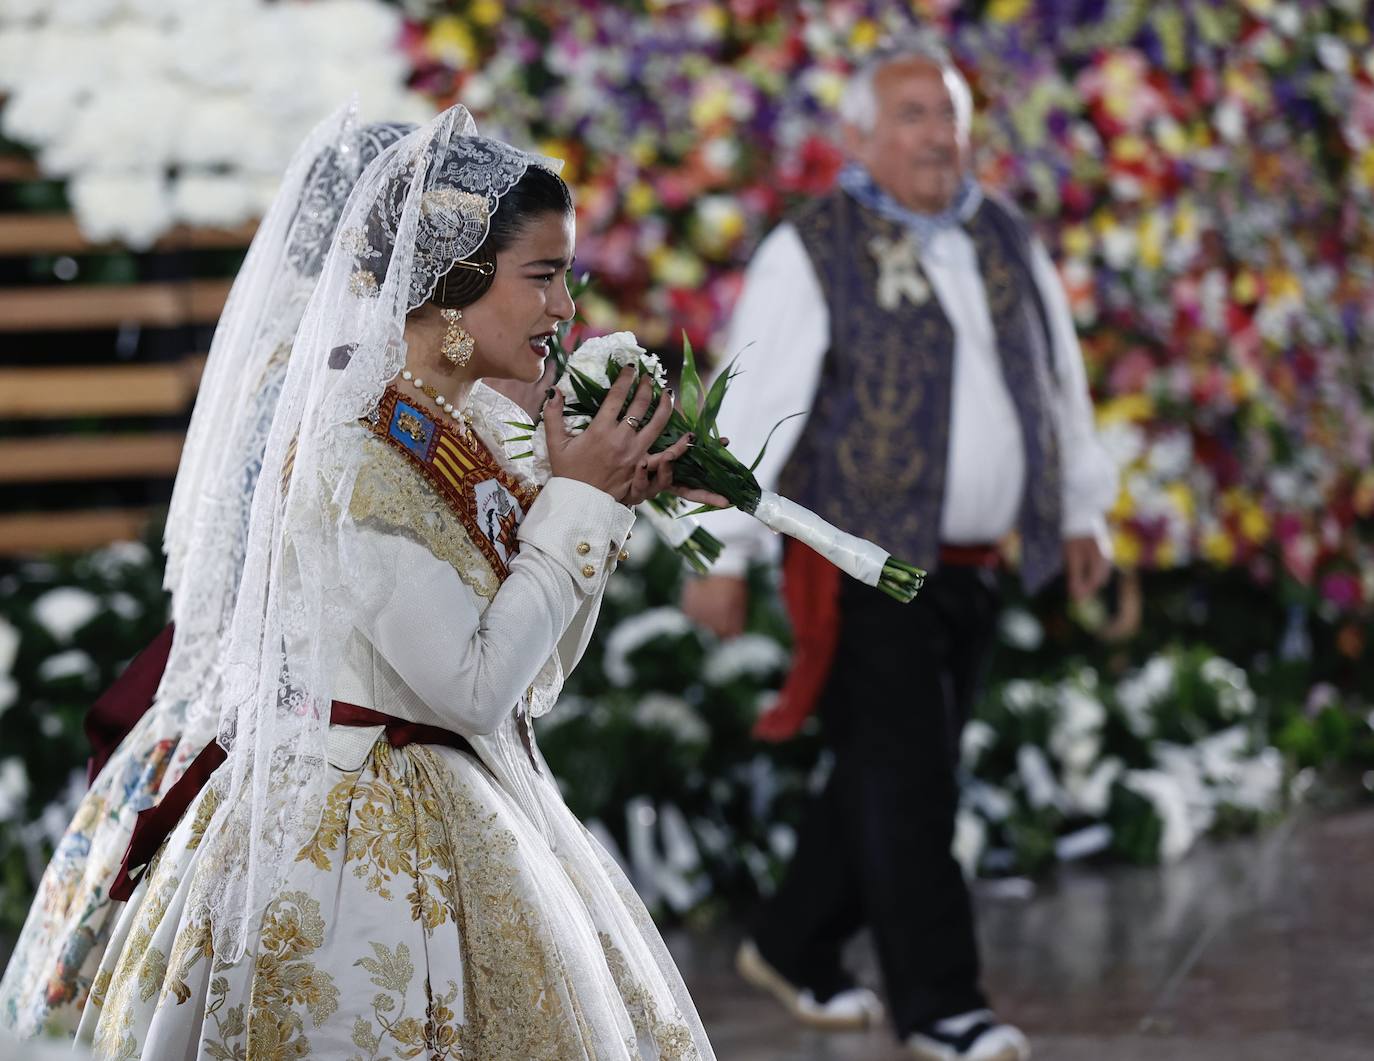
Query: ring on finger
[634,421]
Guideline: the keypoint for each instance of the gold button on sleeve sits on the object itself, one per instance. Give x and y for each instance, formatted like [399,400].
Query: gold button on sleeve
[624,555]
[583,548]
[588,571]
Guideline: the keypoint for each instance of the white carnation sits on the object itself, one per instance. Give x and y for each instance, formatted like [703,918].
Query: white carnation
[9,646]
[1170,803]
[619,348]
[977,737]
[70,664]
[211,200]
[747,656]
[65,610]
[672,713]
[1090,794]
[970,838]
[636,632]
[132,208]
[14,788]
[1042,790]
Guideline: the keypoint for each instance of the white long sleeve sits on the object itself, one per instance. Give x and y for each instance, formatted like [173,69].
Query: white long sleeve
[1090,474]
[470,666]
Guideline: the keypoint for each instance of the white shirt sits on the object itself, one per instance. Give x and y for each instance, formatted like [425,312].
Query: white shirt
[780,332]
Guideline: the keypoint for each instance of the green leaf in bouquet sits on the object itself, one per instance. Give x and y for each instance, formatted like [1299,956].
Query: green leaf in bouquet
[518,425]
[706,422]
[764,448]
[691,384]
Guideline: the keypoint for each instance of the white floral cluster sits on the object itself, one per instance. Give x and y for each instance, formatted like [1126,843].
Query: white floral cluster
[592,358]
[159,112]
[1068,777]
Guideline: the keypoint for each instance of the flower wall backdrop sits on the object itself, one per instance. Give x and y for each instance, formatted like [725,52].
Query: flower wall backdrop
[1202,171]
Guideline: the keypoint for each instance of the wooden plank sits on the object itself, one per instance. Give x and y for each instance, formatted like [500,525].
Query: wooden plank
[78,458]
[19,168]
[79,307]
[60,234]
[36,532]
[116,390]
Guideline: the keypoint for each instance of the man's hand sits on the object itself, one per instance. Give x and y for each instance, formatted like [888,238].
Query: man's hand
[718,602]
[1085,567]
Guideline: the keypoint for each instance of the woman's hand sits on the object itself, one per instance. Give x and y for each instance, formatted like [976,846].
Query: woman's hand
[612,454]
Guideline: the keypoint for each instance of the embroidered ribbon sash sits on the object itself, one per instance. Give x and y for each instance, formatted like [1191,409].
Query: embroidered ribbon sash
[489,502]
[155,824]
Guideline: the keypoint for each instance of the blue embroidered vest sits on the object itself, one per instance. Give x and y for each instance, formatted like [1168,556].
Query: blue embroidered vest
[873,456]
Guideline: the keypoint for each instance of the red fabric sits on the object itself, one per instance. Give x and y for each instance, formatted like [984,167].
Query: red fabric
[970,556]
[811,592]
[119,707]
[155,824]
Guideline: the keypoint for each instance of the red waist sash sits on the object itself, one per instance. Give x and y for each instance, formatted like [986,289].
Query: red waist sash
[154,824]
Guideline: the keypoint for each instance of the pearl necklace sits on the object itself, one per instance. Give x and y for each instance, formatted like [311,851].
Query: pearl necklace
[431,392]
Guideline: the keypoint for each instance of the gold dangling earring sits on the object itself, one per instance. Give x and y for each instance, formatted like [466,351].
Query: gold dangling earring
[458,341]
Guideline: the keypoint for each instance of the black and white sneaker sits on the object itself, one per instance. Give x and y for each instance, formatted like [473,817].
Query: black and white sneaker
[975,1036]
[851,1010]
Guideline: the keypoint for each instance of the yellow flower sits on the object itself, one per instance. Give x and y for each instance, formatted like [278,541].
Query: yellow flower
[561,149]
[1245,384]
[1123,508]
[1151,241]
[644,151]
[1218,548]
[1245,289]
[712,19]
[1077,241]
[711,105]
[450,40]
[1126,548]
[864,35]
[1125,409]
[640,199]
[1364,167]
[1185,220]
[1254,524]
[827,86]
[1129,148]
[1007,10]
[1181,498]
[1172,137]
[486,12]
[676,268]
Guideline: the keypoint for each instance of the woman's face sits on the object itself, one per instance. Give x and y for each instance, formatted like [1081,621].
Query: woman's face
[513,322]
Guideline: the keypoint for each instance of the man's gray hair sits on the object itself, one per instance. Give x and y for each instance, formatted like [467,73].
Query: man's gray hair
[859,104]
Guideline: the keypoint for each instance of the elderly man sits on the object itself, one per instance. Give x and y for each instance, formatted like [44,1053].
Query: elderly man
[921,329]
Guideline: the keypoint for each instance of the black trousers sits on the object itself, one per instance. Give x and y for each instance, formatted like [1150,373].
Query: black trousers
[874,846]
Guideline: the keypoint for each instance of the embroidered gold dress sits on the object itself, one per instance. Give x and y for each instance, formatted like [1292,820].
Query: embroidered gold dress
[449,905]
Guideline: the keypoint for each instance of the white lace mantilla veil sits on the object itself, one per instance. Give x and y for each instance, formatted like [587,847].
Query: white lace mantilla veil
[207,523]
[423,204]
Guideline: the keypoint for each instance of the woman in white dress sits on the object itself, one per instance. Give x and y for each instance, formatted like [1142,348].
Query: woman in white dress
[382,865]
[143,743]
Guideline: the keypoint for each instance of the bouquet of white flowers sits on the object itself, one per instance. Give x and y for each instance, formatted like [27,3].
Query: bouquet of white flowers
[709,465]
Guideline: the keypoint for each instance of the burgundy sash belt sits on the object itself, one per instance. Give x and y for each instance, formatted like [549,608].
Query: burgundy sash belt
[119,708]
[155,824]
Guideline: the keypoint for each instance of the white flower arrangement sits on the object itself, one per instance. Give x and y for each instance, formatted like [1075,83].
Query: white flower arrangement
[65,610]
[746,656]
[142,96]
[633,633]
